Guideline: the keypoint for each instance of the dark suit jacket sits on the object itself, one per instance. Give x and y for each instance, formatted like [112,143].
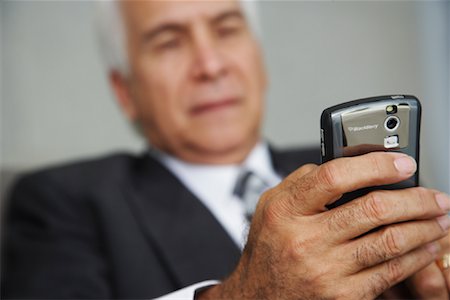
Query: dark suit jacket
[117,227]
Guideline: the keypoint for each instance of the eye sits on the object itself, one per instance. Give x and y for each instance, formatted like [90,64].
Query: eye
[170,44]
[168,40]
[225,31]
[230,27]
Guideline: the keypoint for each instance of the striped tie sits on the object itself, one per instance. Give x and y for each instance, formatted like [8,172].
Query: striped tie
[249,187]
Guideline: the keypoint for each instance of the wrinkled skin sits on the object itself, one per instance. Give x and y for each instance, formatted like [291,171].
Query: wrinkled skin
[298,250]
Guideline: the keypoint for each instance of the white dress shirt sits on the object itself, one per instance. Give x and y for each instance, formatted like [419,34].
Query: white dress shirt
[213,185]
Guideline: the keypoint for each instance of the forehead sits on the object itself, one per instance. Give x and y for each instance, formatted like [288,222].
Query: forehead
[149,13]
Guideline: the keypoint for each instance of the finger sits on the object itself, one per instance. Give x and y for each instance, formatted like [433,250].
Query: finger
[446,273]
[445,244]
[308,194]
[388,243]
[444,266]
[445,250]
[429,283]
[383,276]
[305,169]
[381,208]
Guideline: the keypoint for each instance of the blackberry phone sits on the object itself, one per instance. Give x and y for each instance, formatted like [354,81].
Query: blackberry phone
[383,123]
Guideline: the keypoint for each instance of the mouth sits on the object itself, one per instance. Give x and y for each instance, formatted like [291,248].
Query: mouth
[214,105]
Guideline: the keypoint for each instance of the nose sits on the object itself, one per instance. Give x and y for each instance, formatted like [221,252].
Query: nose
[209,62]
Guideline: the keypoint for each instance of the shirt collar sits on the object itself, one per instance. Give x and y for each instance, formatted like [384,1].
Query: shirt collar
[220,178]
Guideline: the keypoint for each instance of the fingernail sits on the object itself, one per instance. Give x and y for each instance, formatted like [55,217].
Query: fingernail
[433,247]
[444,222]
[405,165]
[443,201]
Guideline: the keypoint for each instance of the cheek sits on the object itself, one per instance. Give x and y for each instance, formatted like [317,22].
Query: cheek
[254,75]
[159,95]
[259,71]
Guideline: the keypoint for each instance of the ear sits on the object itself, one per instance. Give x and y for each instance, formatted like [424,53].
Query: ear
[122,90]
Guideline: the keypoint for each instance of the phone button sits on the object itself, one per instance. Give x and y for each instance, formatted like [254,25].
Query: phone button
[391,142]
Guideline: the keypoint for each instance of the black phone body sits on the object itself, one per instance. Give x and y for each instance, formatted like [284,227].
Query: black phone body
[383,123]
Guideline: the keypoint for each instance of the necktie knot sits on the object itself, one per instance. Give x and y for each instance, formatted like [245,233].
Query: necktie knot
[249,187]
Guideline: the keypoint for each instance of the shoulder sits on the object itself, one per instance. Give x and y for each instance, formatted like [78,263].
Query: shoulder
[74,181]
[82,171]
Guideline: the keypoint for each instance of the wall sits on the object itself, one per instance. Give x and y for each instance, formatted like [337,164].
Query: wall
[57,106]
[321,53]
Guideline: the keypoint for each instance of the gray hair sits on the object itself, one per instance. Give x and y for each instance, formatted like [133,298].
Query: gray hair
[111,32]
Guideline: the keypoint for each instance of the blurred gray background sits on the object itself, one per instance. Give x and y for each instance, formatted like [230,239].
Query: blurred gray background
[56,104]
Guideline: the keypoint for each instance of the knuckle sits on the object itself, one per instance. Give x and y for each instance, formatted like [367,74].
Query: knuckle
[395,271]
[424,196]
[339,219]
[297,186]
[362,255]
[270,213]
[392,242]
[378,284]
[277,207]
[422,193]
[328,175]
[306,169]
[375,208]
[300,248]
[297,250]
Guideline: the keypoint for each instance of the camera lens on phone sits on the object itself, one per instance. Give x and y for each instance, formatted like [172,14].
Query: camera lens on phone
[391,123]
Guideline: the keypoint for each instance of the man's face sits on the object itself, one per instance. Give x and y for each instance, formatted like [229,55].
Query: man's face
[196,79]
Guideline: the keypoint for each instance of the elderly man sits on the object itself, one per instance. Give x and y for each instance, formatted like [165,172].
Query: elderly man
[141,227]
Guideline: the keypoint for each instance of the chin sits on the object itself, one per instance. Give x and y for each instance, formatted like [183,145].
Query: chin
[226,141]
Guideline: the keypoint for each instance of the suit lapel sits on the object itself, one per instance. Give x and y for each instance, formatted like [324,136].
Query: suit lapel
[190,241]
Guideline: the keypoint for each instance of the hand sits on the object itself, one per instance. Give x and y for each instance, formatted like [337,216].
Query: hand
[298,249]
[433,282]
[430,283]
